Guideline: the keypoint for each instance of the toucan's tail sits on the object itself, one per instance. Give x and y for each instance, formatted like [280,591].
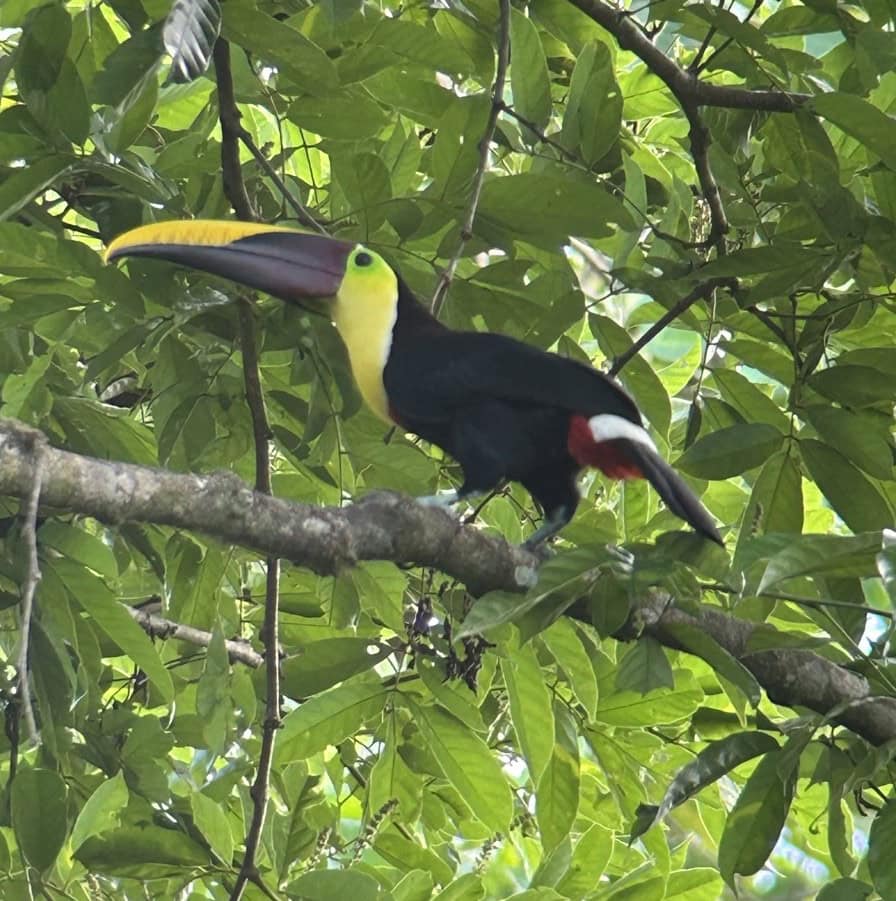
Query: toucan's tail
[670,486]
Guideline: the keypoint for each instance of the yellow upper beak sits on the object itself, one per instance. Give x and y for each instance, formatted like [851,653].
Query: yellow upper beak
[283,262]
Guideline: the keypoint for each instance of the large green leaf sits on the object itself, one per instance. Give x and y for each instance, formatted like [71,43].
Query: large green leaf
[329,717]
[468,765]
[731,451]
[856,499]
[37,808]
[529,77]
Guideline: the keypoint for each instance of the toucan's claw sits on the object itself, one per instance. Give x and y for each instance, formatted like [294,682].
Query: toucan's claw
[442,501]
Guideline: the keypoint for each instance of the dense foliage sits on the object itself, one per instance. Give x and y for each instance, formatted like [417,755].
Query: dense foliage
[614,191]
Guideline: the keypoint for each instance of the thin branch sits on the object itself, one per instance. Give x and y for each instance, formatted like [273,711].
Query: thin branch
[683,84]
[159,627]
[235,190]
[700,143]
[32,578]
[728,41]
[229,117]
[232,131]
[466,229]
[702,291]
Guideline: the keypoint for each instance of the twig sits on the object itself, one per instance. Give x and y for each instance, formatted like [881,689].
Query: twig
[232,131]
[728,41]
[700,142]
[159,627]
[235,190]
[702,292]
[32,577]
[466,229]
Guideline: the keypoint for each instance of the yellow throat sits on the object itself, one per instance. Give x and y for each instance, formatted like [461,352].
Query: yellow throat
[364,314]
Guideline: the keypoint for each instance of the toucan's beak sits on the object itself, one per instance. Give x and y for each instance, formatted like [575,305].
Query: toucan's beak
[282,262]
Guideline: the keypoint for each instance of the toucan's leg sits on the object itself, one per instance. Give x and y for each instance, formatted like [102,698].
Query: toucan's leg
[556,492]
[553,523]
[478,442]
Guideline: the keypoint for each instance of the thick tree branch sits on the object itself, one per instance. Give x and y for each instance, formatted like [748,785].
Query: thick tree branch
[391,527]
[790,676]
[381,526]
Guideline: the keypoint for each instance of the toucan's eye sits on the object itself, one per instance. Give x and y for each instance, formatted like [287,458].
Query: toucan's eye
[362,258]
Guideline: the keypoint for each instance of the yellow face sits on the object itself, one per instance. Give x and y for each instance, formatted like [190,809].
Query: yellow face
[364,312]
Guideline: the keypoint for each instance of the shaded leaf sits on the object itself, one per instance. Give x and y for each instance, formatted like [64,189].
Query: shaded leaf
[731,451]
[189,34]
[39,820]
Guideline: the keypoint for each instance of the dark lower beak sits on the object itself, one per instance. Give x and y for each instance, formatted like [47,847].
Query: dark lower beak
[282,262]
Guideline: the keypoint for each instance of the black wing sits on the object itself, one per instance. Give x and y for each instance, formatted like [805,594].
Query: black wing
[430,376]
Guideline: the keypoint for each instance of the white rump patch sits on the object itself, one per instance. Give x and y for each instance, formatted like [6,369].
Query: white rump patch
[607,427]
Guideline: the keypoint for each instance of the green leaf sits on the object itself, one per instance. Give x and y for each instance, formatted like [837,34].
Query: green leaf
[700,642]
[822,555]
[92,594]
[328,718]
[211,820]
[529,78]
[776,502]
[566,206]
[870,126]
[845,889]
[852,384]
[856,500]
[298,58]
[748,400]
[714,761]
[141,852]
[881,841]
[589,860]
[694,884]
[78,544]
[557,793]
[468,765]
[860,437]
[324,663]
[593,114]
[349,116]
[22,186]
[563,641]
[102,810]
[324,885]
[753,826]
[631,710]
[644,668]
[730,451]
[530,708]
[38,810]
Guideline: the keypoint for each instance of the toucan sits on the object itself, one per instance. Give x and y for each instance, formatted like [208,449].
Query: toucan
[505,410]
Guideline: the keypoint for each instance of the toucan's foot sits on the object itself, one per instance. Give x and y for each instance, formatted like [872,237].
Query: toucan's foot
[550,527]
[443,500]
